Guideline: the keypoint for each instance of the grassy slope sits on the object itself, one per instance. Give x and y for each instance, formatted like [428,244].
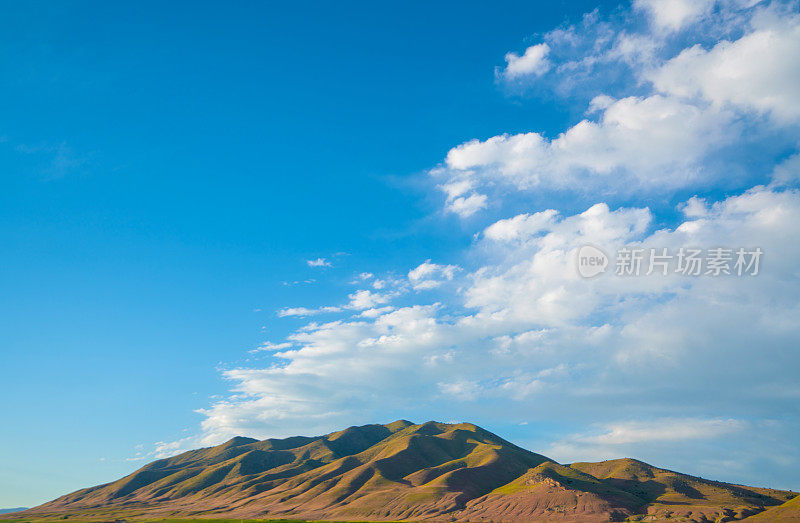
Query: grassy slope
[789,511]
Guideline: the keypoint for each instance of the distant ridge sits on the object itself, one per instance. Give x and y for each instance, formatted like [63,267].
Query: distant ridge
[406,471]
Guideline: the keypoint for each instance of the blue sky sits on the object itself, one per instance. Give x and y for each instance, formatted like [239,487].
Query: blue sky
[168,171]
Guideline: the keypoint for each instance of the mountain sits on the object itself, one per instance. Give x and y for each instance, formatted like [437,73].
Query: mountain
[403,471]
[8,510]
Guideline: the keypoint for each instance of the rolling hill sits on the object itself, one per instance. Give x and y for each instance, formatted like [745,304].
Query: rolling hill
[404,471]
[789,511]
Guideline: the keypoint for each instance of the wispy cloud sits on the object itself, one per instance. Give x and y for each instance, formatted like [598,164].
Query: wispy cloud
[269,346]
[304,311]
[319,262]
[54,160]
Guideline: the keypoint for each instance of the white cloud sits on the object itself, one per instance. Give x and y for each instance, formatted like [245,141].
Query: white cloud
[366,299]
[759,71]
[787,172]
[431,275]
[538,283]
[456,188]
[532,62]
[637,144]
[466,206]
[673,15]
[269,346]
[520,226]
[359,300]
[461,198]
[695,207]
[376,311]
[304,311]
[319,262]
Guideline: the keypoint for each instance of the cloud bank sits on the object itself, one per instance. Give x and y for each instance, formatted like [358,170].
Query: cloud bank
[611,366]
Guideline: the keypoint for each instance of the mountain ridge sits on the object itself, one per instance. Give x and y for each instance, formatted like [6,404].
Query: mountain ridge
[406,471]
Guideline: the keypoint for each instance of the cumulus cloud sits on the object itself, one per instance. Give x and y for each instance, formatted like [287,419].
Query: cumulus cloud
[366,299]
[532,62]
[520,226]
[758,71]
[461,198]
[637,144]
[431,275]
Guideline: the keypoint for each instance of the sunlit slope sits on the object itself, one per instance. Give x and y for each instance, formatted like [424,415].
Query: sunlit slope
[789,511]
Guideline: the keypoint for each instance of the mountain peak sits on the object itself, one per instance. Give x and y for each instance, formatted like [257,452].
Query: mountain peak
[398,425]
[238,440]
